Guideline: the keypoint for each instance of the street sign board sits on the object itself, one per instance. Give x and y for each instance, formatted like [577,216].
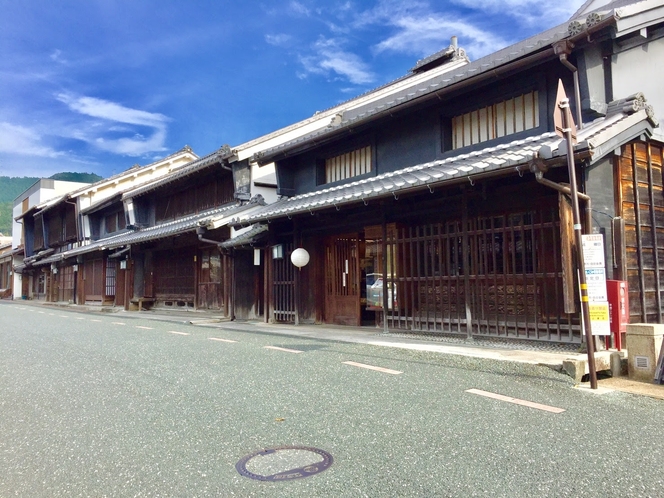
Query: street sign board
[599,318]
[593,250]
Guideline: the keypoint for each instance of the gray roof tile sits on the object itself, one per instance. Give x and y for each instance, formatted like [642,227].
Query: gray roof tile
[594,137]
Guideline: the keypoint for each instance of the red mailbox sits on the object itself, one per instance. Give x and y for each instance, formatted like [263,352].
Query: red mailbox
[618,309]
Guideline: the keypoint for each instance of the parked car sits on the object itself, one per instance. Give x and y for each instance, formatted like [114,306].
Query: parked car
[375,292]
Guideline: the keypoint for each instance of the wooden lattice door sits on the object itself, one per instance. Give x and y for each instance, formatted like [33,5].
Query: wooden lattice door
[342,280]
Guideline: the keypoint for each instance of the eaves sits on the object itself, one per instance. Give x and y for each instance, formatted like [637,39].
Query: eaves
[218,157]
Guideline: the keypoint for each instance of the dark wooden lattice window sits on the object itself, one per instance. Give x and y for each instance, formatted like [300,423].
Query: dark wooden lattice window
[110,277]
[216,192]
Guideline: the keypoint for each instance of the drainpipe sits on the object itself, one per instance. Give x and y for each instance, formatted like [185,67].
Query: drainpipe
[539,176]
[119,253]
[563,49]
[200,231]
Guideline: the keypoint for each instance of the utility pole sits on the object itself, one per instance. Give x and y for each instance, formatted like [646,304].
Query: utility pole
[566,128]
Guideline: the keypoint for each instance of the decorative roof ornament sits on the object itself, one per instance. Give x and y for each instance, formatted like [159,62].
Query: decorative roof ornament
[451,53]
[336,119]
[593,19]
[575,28]
[225,150]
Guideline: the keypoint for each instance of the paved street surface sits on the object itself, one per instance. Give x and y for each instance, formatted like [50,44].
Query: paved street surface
[121,405]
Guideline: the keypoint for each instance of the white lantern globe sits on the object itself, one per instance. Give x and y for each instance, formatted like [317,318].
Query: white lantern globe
[299,257]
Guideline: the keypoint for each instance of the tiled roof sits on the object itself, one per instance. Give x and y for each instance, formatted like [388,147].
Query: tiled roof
[430,86]
[246,238]
[133,170]
[181,225]
[163,230]
[431,173]
[216,157]
[600,137]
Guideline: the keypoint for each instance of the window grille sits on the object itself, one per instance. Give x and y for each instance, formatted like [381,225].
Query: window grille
[348,165]
[110,277]
[496,121]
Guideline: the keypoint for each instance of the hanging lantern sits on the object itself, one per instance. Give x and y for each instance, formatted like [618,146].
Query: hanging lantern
[299,257]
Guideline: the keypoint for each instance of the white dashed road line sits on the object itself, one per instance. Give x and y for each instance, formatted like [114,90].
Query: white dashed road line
[516,401]
[219,339]
[276,348]
[118,323]
[145,328]
[371,367]
[178,333]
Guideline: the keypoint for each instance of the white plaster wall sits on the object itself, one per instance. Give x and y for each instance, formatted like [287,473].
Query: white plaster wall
[62,188]
[264,174]
[17,284]
[641,69]
[132,178]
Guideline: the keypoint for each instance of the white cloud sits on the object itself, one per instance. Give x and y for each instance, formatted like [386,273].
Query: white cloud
[20,140]
[278,39]
[299,8]
[330,58]
[427,35]
[136,145]
[542,13]
[98,108]
[56,56]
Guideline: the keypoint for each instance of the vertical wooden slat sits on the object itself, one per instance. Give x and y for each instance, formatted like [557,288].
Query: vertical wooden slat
[653,224]
[639,243]
[523,277]
[465,263]
[494,261]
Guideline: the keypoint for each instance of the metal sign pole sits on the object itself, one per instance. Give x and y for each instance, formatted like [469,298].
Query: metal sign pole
[568,123]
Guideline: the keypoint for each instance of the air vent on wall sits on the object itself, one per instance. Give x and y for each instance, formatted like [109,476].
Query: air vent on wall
[642,362]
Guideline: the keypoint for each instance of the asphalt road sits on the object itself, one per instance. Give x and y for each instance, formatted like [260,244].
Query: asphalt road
[116,405]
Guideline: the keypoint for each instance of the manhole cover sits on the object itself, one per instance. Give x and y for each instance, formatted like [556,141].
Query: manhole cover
[284,463]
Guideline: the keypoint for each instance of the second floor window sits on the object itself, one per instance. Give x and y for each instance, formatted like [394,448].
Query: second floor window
[114,222]
[348,165]
[498,120]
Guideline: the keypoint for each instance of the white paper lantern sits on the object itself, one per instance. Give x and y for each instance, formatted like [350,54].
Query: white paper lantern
[299,257]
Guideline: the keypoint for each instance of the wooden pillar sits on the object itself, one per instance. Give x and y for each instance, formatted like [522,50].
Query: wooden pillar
[383,262]
[466,264]
[298,274]
[267,281]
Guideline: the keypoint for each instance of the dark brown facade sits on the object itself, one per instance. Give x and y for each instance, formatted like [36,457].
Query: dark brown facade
[640,224]
[481,260]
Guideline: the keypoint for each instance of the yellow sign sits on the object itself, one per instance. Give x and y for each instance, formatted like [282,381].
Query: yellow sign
[599,312]
[599,318]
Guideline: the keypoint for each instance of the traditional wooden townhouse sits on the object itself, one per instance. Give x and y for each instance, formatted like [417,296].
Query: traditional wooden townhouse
[57,233]
[440,202]
[158,244]
[248,245]
[28,235]
[5,267]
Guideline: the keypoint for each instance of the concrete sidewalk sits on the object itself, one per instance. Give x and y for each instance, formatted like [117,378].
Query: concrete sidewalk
[477,348]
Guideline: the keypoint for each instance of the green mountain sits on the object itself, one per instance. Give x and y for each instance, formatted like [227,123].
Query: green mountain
[77,177]
[12,187]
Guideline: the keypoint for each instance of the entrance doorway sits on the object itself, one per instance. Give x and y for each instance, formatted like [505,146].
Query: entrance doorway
[342,279]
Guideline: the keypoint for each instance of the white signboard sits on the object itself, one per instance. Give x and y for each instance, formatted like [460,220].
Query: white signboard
[593,250]
[596,281]
[593,259]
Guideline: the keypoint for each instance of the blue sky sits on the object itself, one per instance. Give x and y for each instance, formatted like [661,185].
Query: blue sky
[99,85]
